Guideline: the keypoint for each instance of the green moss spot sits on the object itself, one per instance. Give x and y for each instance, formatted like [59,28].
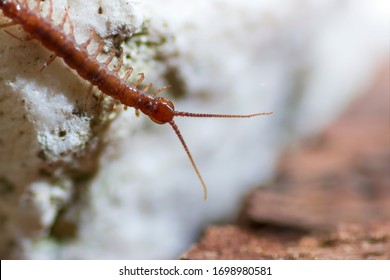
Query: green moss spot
[62,133]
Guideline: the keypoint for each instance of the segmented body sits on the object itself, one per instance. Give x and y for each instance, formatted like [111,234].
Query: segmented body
[77,57]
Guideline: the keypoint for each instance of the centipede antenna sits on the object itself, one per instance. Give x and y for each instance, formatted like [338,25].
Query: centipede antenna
[183,143]
[200,115]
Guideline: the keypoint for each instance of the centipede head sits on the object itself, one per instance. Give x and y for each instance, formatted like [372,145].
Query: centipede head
[161,110]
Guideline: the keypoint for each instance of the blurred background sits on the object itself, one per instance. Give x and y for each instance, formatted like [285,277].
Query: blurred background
[311,165]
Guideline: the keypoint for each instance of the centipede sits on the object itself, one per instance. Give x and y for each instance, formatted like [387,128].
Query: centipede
[76,56]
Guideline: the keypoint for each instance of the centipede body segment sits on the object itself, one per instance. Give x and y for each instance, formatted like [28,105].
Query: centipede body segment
[41,28]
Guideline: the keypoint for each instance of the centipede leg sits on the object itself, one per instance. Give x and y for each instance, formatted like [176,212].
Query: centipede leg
[139,81]
[128,73]
[71,26]
[100,98]
[120,63]
[89,40]
[38,5]
[25,4]
[148,87]
[8,24]
[48,62]
[89,90]
[110,58]
[50,14]
[63,21]
[11,23]
[98,50]
[27,38]
[154,94]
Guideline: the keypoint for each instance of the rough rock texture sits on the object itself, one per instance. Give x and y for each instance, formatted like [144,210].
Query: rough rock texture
[347,242]
[330,199]
[49,143]
[340,175]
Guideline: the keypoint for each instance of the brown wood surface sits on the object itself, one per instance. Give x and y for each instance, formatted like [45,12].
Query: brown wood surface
[329,200]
